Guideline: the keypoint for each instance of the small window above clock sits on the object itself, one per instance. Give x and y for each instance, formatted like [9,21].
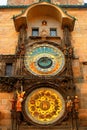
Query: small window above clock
[35,31]
[53,32]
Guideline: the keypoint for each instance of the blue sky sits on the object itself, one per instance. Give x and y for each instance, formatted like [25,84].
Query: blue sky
[4,2]
[85,1]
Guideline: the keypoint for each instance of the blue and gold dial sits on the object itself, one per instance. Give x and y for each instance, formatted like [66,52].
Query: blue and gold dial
[44,60]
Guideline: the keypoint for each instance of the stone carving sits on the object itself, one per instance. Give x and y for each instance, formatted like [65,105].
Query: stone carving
[44,33]
[19,106]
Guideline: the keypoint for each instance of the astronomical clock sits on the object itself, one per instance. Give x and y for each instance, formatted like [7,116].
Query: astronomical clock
[45,101]
[44,60]
[44,63]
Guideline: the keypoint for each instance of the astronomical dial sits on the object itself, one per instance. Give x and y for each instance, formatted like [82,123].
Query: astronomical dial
[44,60]
[44,106]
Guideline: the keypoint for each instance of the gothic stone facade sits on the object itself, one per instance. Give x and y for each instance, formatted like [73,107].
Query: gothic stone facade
[16,37]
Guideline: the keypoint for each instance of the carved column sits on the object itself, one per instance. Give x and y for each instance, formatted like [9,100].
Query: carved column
[67,37]
[68,50]
[20,51]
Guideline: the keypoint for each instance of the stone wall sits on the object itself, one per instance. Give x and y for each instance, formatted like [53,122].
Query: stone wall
[8,35]
[5,107]
[25,2]
[79,42]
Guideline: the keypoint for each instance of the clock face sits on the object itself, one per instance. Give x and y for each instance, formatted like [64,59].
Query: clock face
[44,60]
[44,106]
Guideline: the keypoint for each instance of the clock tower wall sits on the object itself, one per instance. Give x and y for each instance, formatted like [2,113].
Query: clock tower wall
[42,24]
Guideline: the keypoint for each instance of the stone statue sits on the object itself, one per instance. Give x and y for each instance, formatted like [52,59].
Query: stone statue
[19,106]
